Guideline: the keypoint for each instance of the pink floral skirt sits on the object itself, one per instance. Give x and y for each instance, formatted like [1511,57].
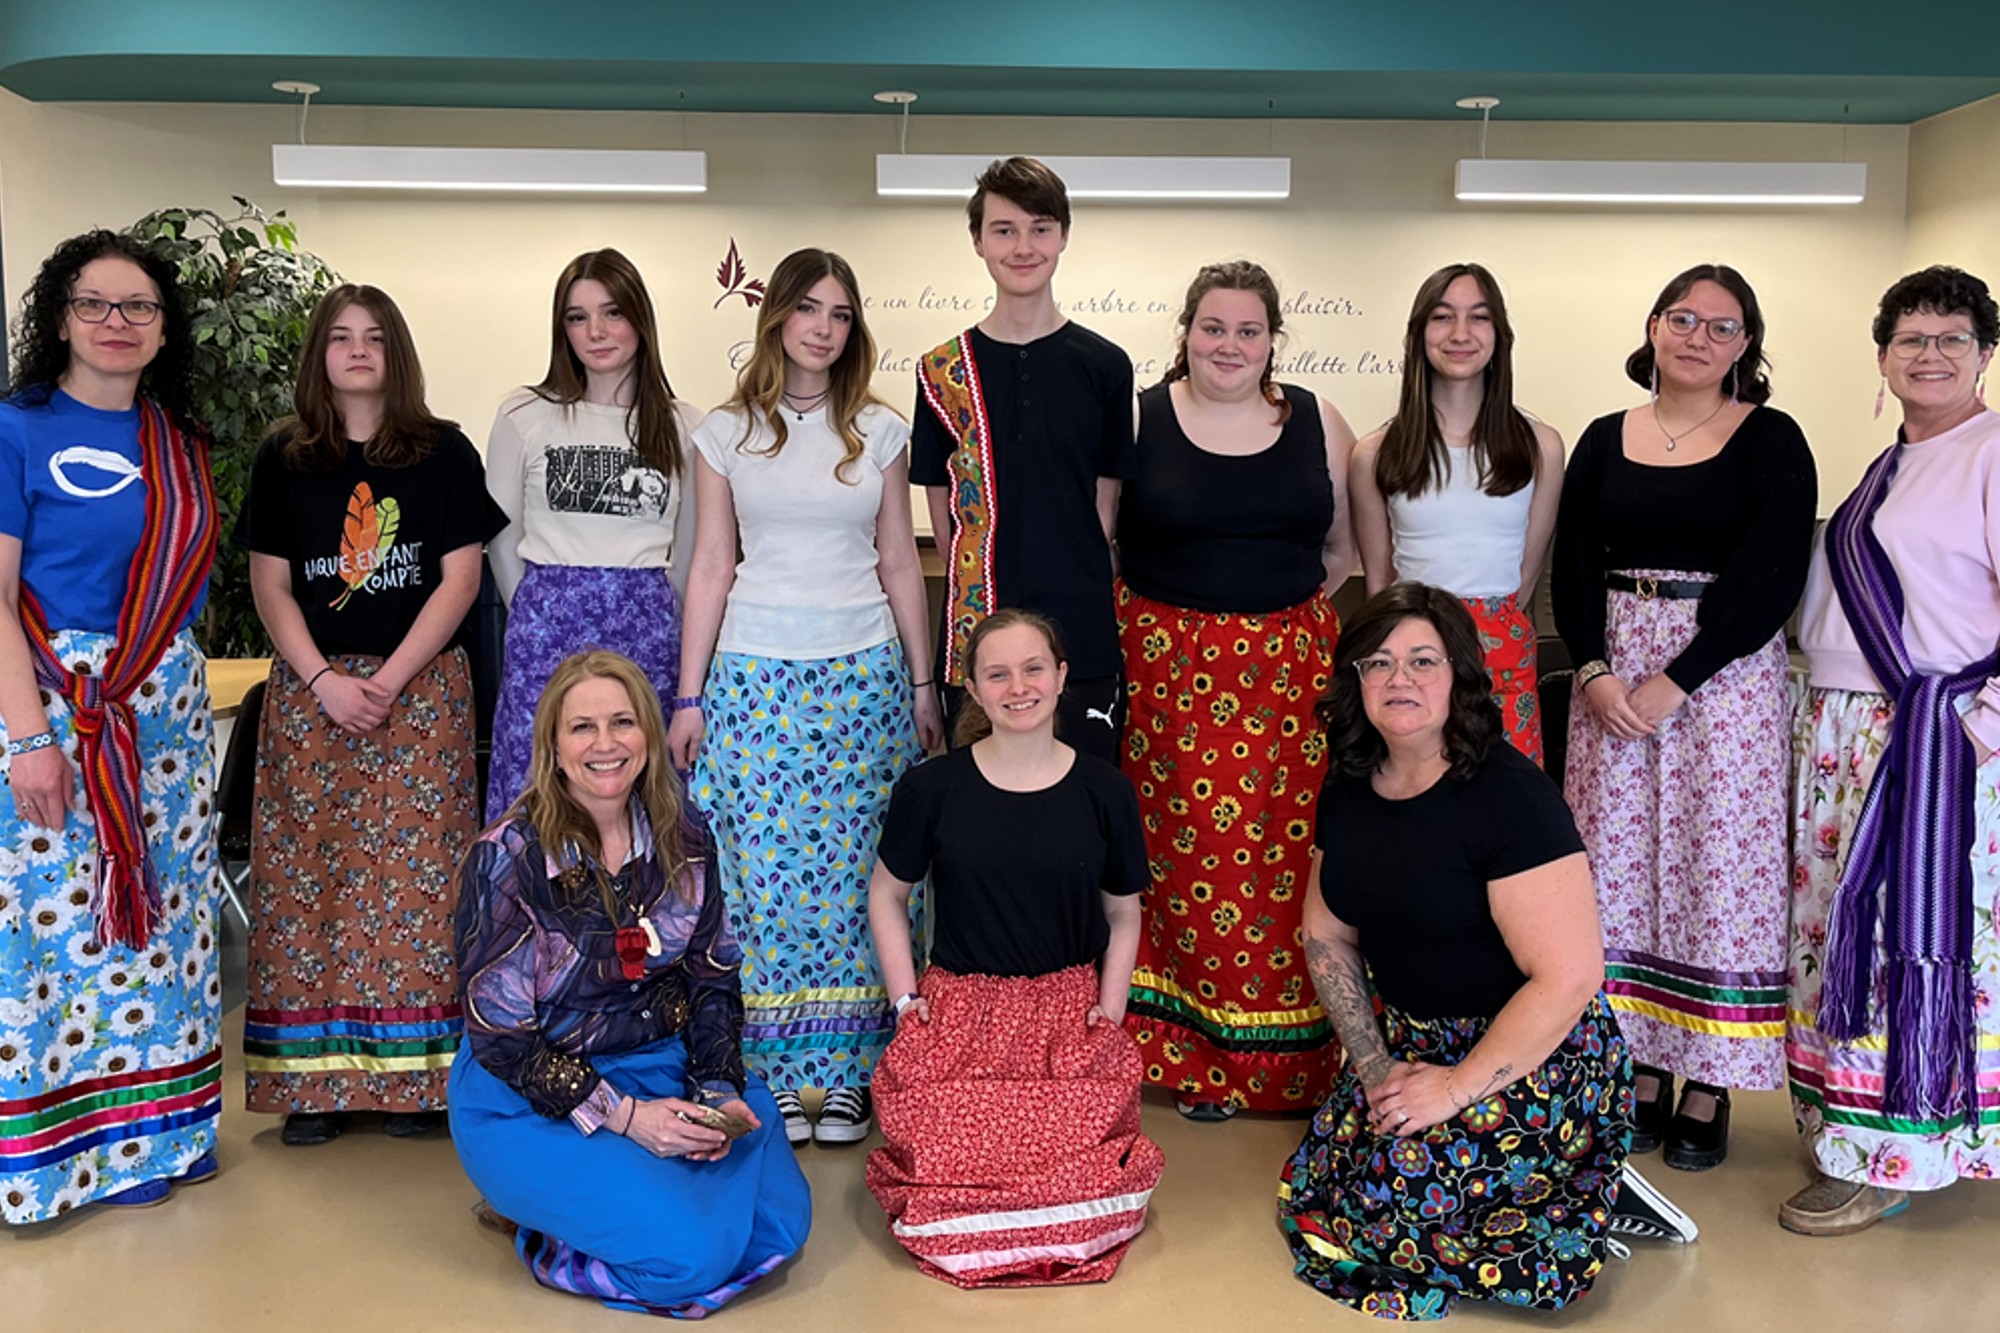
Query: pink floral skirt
[1014,1155]
[1837,1087]
[1686,831]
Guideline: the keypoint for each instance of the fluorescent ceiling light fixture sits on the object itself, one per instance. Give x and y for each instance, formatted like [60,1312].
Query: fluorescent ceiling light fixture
[489,170]
[951,176]
[1528,180]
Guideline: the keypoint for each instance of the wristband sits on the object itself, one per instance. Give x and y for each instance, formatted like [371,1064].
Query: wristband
[1591,670]
[690,701]
[41,740]
[903,1002]
[316,675]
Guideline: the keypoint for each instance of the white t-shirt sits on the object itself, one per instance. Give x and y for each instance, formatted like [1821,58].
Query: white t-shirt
[807,586]
[576,491]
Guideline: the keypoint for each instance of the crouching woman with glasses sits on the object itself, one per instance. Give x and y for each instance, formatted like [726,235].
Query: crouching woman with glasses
[1473,1145]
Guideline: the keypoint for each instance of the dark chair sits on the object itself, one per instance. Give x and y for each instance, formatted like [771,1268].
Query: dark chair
[1552,693]
[236,795]
[485,640]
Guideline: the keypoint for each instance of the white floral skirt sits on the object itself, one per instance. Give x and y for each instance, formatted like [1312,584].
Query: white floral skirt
[1837,1087]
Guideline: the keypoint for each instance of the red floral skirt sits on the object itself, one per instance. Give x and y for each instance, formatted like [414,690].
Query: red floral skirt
[1507,634]
[1014,1155]
[1221,742]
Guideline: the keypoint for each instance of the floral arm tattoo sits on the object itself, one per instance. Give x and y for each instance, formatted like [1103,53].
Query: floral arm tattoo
[1342,982]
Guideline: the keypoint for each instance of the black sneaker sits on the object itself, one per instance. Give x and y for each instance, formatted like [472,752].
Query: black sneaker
[1643,1212]
[845,1116]
[792,1111]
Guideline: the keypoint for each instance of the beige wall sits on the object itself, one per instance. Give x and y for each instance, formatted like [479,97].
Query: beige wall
[1955,190]
[1371,214]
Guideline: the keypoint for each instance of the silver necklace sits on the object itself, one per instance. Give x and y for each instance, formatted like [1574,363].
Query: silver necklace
[1674,440]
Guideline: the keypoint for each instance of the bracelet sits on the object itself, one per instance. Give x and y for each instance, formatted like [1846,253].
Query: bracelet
[632,1109]
[689,701]
[1449,1094]
[923,684]
[316,675]
[41,740]
[903,1002]
[1591,670]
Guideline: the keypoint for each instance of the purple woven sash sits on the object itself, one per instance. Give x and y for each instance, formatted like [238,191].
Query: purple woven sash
[1909,862]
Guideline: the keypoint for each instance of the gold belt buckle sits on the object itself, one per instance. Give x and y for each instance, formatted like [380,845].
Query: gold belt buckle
[1646,586]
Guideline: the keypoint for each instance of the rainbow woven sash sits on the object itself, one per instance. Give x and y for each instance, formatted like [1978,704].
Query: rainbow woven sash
[176,549]
[949,379]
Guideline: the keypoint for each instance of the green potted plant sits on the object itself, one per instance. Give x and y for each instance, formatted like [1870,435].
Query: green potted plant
[249,291]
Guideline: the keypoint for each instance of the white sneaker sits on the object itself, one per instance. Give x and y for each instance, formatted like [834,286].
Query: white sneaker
[1644,1212]
[845,1116]
[798,1129]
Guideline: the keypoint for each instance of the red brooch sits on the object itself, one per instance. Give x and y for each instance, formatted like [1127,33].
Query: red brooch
[631,944]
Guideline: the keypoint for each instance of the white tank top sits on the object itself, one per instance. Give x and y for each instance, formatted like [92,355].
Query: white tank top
[1459,538]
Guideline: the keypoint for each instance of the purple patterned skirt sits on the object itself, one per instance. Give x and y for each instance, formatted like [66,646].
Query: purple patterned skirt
[564,609]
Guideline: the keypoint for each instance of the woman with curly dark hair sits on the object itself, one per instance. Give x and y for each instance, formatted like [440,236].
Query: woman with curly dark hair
[110,1071]
[1894,1038]
[1473,1145]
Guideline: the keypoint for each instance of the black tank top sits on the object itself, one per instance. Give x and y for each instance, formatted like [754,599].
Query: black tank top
[1213,532]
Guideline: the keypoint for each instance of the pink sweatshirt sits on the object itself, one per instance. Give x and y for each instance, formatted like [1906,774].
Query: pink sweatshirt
[1940,525]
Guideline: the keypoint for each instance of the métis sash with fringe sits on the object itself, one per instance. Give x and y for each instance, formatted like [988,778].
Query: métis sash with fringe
[1909,864]
[176,550]
[948,377]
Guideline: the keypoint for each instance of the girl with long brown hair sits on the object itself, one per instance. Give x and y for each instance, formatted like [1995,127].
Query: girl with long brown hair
[591,466]
[796,689]
[1459,489]
[365,519]
[1232,539]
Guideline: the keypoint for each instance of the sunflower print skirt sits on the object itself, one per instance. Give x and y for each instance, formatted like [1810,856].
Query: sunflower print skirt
[1506,1201]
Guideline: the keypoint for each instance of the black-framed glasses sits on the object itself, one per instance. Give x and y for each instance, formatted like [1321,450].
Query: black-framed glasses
[1421,668]
[1910,346]
[1684,322]
[95,309]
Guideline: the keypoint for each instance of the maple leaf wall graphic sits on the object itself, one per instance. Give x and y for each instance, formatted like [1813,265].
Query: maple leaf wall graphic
[735,279]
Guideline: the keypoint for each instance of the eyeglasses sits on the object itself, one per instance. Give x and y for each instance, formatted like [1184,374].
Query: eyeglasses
[1910,346]
[1685,322]
[1421,669]
[95,310]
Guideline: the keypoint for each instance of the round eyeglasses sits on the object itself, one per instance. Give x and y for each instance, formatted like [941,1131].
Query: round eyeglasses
[1910,346]
[95,310]
[1684,322]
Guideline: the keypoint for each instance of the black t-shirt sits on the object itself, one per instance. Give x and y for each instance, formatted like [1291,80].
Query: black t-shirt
[366,544]
[1226,533]
[1016,875]
[1059,414]
[1411,877]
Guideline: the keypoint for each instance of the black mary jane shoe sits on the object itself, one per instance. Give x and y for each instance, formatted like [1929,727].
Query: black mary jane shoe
[309,1129]
[1699,1145]
[1649,1118]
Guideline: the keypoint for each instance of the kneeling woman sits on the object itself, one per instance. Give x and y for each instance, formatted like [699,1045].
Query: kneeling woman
[1010,1094]
[1473,1144]
[604,1020]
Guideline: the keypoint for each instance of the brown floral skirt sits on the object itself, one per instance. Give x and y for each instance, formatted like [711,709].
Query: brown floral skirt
[352,991]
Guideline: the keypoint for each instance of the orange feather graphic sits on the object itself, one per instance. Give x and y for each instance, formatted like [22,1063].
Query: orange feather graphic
[365,537]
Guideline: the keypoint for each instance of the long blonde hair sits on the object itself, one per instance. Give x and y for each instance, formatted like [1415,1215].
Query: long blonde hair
[557,818]
[760,385]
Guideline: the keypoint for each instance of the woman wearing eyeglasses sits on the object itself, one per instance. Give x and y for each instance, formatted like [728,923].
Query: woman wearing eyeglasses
[1474,1143]
[1681,546]
[1894,1042]
[110,998]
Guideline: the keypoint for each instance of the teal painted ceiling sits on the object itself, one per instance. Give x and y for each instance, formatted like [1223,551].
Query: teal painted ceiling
[1835,60]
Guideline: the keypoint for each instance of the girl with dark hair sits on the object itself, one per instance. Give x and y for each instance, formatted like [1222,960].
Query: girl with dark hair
[796,693]
[110,1006]
[592,467]
[1894,1040]
[365,518]
[1010,1096]
[1474,1144]
[599,1102]
[1459,489]
[1681,548]
[1232,538]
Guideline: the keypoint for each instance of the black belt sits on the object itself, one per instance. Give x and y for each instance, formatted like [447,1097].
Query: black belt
[1676,590]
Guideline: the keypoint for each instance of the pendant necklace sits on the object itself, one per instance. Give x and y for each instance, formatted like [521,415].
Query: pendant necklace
[1674,440]
[804,403]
